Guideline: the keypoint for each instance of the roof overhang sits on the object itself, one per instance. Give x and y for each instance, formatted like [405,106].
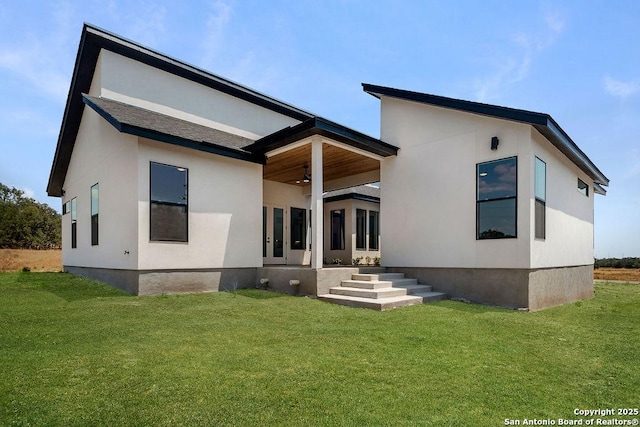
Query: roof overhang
[144,123]
[543,123]
[92,41]
[321,127]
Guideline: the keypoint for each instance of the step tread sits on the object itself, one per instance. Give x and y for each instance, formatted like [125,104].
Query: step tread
[377,304]
[414,287]
[431,296]
[376,284]
[368,293]
[378,276]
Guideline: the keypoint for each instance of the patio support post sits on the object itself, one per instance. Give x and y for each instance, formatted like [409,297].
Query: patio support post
[316,204]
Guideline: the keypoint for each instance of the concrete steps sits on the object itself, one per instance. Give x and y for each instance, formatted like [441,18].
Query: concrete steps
[381,291]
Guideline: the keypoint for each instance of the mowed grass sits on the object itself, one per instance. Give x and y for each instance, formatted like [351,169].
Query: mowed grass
[75,352]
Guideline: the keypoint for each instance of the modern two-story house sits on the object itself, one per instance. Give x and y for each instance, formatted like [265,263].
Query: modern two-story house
[174,179]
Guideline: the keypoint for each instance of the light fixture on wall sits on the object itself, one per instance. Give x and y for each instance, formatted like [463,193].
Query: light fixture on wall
[306,178]
[494,143]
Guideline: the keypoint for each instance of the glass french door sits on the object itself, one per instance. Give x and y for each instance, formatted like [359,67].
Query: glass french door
[273,235]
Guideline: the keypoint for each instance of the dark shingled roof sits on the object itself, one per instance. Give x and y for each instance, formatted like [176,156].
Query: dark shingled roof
[361,192]
[150,124]
[92,41]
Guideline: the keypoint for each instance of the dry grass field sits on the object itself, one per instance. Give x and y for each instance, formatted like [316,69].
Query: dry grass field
[17,259]
[625,274]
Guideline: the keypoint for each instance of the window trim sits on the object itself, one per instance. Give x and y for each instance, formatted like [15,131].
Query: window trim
[95,224]
[583,190]
[342,229]
[480,202]
[74,223]
[361,234]
[539,202]
[303,242]
[151,202]
[374,235]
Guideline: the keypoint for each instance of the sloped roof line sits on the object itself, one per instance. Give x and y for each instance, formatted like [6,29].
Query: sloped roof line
[93,39]
[145,123]
[544,123]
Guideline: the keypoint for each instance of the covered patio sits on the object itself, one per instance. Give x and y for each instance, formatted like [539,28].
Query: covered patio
[333,157]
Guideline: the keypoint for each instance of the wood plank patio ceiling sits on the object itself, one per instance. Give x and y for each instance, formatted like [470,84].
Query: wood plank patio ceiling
[288,167]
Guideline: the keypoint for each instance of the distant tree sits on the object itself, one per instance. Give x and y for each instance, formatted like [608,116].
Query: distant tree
[627,262]
[26,223]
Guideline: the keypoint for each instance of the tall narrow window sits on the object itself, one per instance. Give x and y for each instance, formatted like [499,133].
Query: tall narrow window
[264,231]
[94,215]
[298,228]
[74,224]
[374,230]
[169,203]
[361,229]
[540,191]
[496,200]
[337,229]
[583,187]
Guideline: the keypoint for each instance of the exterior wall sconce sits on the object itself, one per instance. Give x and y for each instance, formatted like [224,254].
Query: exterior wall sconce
[494,143]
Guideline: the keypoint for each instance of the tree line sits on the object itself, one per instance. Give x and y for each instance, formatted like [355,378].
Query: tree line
[617,263]
[26,223]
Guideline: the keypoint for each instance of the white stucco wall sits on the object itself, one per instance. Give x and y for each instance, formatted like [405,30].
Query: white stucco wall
[138,84]
[428,213]
[102,155]
[569,213]
[225,211]
[287,196]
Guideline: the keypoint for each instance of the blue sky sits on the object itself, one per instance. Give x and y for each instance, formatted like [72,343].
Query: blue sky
[576,60]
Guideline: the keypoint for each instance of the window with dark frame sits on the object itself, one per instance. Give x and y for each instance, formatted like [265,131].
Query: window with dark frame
[496,200]
[74,224]
[298,228]
[337,229]
[374,230]
[94,214]
[583,187]
[540,190]
[361,229]
[169,188]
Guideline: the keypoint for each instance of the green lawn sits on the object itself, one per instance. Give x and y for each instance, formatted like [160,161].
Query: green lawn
[75,352]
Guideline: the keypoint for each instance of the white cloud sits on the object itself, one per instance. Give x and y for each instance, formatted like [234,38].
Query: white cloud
[619,88]
[515,64]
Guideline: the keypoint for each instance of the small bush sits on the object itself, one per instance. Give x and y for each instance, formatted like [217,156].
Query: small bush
[26,269]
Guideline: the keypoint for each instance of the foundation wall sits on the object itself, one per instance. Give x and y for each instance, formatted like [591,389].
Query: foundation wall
[157,282]
[503,287]
[556,286]
[512,288]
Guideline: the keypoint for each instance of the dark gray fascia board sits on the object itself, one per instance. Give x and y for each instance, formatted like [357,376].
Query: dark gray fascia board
[204,146]
[597,188]
[92,40]
[354,196]
[544,123]
[323,127]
